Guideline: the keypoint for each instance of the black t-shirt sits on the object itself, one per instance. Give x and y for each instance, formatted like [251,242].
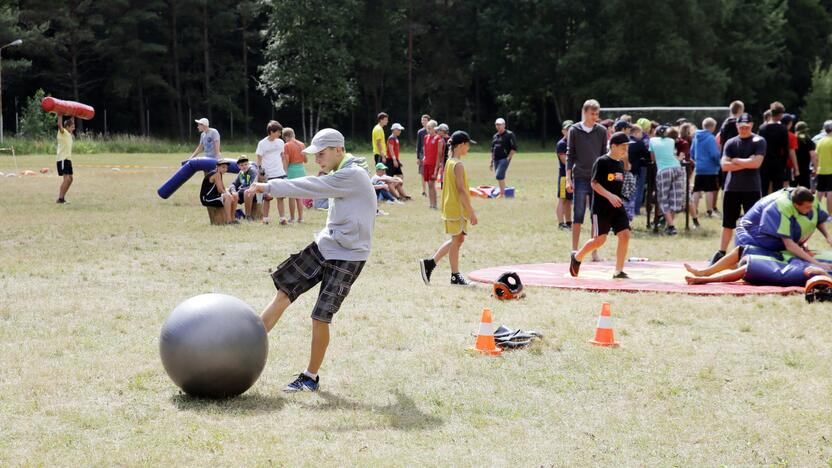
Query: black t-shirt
[639,154]
[777,144]
[728,130]
[745,180]
[502,145]
[804,146]
[609,173]
[560,148]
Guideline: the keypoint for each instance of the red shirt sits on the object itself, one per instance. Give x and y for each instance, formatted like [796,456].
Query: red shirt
[431,149]
[792,146]
[393,143]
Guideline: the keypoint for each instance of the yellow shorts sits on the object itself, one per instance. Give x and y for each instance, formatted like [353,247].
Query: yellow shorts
[456,227]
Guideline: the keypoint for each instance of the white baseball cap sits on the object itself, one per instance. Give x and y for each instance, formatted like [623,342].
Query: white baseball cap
[328,137]
[500,121]
[202,121]
[397,126]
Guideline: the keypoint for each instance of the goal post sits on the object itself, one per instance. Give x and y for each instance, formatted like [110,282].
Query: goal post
[668,114]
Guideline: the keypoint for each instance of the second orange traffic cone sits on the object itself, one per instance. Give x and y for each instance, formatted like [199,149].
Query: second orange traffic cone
[485,338]
[603,332]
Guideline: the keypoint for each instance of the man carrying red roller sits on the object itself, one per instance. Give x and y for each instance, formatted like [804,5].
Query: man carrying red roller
[65,140]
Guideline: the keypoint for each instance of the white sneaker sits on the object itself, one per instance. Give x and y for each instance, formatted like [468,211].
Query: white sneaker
[381,213]
[265,220]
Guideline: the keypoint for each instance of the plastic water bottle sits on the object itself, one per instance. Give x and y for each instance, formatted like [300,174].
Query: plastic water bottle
[638,259]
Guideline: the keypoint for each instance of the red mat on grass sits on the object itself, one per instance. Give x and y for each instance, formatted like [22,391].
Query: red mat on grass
[667,277]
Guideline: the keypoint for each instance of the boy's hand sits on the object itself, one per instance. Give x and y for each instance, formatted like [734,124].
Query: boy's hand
[473,219]
[258,187]
[569,187]
[615,201]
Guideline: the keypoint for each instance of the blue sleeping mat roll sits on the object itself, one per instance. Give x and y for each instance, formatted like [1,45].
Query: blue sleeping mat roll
[188,169]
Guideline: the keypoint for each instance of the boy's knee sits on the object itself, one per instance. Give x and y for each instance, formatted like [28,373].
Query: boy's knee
[625,234]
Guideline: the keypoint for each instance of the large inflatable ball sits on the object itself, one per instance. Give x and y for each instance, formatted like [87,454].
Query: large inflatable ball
[213,346]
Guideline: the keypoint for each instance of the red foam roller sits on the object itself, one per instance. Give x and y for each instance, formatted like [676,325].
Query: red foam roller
[68,108]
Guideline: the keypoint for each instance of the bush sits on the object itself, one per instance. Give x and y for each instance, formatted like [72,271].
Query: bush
[35,123]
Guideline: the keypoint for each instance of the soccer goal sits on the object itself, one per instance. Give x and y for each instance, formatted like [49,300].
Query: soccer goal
[668,115]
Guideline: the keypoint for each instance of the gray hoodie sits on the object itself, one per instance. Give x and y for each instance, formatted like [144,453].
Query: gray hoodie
[352,208]
[583,148]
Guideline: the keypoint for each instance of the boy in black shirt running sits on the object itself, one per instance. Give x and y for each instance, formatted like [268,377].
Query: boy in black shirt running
[608,210]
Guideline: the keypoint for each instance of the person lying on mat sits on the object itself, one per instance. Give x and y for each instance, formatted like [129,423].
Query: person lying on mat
[758,267]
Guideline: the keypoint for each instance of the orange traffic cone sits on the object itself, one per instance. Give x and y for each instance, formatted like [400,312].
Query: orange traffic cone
[485,338]
[603,332]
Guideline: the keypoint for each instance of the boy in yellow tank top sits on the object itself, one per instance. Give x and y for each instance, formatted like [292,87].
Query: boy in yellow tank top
[64,155]
[457,211]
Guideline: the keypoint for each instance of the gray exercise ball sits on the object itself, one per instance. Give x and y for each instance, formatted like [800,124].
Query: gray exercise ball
[213,346]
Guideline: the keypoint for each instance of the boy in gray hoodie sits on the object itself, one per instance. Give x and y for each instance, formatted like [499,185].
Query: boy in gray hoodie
[339,251]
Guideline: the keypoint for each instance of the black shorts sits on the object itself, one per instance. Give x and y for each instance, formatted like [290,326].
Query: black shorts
[616,220]
[215,202]
[303,270]
[64,167]
[377,158]
[824,183]
[392,170]
[734,204]
[705,183]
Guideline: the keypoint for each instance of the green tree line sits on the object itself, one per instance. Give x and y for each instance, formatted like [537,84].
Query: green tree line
[152,66]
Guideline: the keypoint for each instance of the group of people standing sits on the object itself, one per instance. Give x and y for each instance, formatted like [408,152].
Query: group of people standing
[745,165]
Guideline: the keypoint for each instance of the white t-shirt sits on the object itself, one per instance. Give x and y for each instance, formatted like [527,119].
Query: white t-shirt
[272,153]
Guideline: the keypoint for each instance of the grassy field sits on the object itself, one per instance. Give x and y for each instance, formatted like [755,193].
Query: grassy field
[85,287]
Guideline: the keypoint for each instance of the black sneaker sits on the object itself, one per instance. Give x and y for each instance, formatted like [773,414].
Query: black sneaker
[671,231]
[562,226]
[459,280]
[710,214]
[620,275]
[574,265]
[60,201]
[717,256]
[303,383]
[427,265]
[569,224]
[696,223]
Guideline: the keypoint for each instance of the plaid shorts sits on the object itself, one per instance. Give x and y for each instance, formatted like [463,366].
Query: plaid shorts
[670,187]
[303,270]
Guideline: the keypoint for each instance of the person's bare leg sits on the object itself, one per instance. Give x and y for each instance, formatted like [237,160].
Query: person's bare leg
[266,205]
[576,234]
[65,186]
[320,341]
[621,249]
[502,184]
[300,209]
[694,205]
[567,210]
[725,239]
[281,208]
[668,216]
[728,276]
[271,314]
[432,193]
[729,261]
[453,252]
[248,201]
[559,210]
[443,250]
[591,246]
[826,194]
[292,205]
[710,201]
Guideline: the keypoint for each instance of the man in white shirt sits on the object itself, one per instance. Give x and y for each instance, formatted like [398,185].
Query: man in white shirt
[271,162]
[209,140]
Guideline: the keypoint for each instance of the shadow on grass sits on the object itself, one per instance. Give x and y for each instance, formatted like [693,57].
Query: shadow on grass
[403,414]
[249,403]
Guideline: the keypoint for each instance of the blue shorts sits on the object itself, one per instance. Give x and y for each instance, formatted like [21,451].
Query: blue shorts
[500,168]
[582,194]
[767,271]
